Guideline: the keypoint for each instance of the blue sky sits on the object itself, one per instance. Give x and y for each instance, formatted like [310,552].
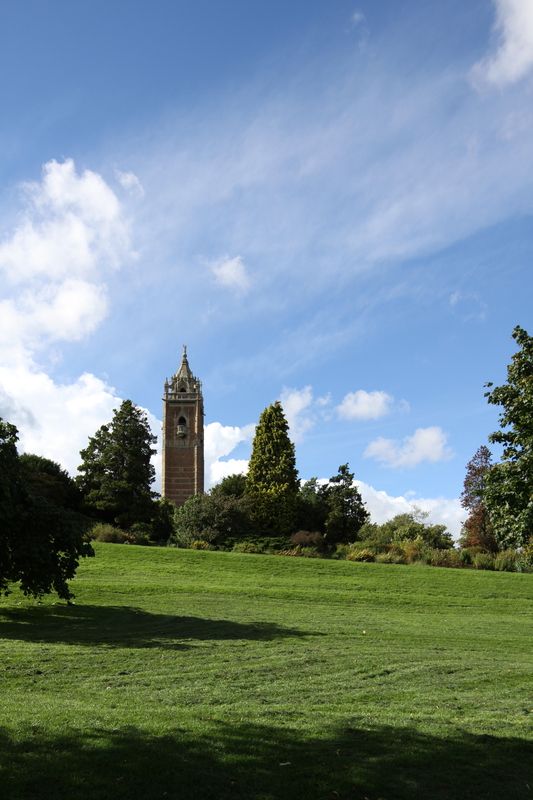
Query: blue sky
[330,204]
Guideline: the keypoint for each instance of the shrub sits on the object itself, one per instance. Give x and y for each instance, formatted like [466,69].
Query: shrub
[306,538]
[413,550]
[341,551]
[360,555]
[310,552]
[399,558]
[207,518]
[104,532]
[384,558]
[246,547]
[445,558]
[141,533]
[483,561]
[198,544]
[506,561]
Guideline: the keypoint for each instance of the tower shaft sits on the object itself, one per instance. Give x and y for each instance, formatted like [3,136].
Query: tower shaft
[183,436]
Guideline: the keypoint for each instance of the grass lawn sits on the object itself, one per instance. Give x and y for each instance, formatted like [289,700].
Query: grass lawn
[187,674]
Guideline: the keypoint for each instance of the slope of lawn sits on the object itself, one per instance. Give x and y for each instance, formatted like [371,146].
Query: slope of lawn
[187,674]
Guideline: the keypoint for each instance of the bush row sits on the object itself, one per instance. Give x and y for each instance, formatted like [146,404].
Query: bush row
[304,544]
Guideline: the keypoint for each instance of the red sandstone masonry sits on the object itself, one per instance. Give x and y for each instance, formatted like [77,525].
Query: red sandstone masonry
[183,436]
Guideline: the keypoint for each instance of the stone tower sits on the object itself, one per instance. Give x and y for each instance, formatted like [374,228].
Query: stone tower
[183,435]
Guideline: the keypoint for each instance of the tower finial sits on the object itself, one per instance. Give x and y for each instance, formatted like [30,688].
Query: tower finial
[184,351]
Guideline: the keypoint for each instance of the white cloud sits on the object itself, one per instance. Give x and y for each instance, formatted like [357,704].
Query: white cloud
[230,273]
[426,444]
[365,405]
[55,420]
[220,441]
[357,17]
[221,469]
[71,231]
[68,311]
[130,182]
[72,225]
[443,511]
[513,57]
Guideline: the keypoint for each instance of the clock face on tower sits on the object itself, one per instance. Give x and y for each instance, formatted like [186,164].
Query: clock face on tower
[183,435]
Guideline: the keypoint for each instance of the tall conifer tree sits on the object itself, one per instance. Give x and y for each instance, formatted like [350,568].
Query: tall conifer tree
[272,482]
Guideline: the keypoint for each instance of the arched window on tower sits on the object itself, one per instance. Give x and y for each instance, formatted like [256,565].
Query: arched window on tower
[181,428]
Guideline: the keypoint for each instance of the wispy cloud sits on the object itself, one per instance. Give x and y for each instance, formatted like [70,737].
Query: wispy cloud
[230,273]
[426,444]
[512,57]
[130,182]
[297,406]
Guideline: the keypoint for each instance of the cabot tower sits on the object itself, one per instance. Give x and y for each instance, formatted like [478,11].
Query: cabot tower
[183,435]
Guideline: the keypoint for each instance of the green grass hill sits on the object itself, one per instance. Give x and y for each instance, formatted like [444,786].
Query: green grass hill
[187,675]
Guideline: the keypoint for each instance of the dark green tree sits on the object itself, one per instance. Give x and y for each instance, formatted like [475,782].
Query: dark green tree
[272,480]
[162,522]
[49,479]
[313,507]
[347,512]
[212,518]
[231,485]
[41,543]
[116,472]
[508,490]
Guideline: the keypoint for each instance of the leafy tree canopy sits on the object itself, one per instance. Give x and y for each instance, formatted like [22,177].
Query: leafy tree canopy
[347,512]
[313,507]
[231,485]
[272,480]
[116,471]
[409,527]
[40,542]
[508,489]
[477,529]
[212,517]
[50,480]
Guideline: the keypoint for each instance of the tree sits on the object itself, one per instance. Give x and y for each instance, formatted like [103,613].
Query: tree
[407,527]
[508,490]
[272,480]
[162,522]
[313,508]
[231,485]
[212,517]
[477,530]
[50,480]
[40,542]
[411,525]
[117,472]
[347,512]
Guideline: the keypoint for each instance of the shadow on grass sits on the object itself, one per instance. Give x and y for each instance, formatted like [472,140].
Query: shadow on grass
[260,762]
[123,626]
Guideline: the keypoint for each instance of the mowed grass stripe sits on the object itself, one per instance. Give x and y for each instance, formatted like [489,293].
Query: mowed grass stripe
[201,674]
